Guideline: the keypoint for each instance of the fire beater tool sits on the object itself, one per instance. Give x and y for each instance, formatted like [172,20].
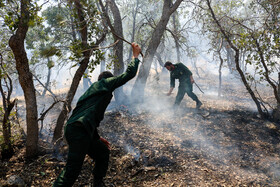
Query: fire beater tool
[125,41]
[198,87]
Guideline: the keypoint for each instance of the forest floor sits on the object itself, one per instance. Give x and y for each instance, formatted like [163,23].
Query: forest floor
[225,143]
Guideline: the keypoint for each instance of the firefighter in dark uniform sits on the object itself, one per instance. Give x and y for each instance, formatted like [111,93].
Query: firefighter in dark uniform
[81,128]
[181,72]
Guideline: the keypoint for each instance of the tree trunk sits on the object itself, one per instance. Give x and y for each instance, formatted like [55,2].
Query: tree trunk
[236,59]
[194,61]
[246,84]
[160,61]
[25,78]
[47,85]
[7,149]
[118,49]
[230,57]
[6,146]
[266,72]
[134,14]
[174,16]
[86,81]
[276,112]
[220,67]
[139,86]
[220,74]
[69,98]
[102,66]
[78,74]
[103,61]
[77,77]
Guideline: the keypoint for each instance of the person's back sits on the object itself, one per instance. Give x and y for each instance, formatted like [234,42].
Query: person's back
[92,104]
[181,72]
[81,128]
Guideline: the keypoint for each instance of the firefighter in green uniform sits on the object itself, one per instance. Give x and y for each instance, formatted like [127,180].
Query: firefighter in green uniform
[81,128]
[181,72]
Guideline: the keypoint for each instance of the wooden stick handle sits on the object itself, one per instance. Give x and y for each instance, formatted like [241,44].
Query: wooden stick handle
[126,42]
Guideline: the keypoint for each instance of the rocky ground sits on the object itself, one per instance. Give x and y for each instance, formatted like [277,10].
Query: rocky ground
[225,143]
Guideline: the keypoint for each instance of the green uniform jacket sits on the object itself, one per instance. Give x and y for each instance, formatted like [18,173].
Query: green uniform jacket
[92,104]
[182,73]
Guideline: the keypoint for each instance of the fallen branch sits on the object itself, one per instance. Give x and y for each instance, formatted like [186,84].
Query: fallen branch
[137,172]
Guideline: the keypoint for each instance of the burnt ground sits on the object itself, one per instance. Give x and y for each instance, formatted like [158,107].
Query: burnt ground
[223,144]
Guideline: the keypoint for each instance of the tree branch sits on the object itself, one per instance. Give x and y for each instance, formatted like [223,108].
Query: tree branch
[44,85]
[42,117]
[175,6]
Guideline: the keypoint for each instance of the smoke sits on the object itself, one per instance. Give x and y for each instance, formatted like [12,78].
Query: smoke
[214,137]
[188,130]
[133,151]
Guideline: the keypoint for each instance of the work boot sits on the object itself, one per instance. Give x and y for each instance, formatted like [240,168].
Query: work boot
[98,182]
[198,104]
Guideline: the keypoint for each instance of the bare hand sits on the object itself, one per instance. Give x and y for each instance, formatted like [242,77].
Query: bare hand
[170,91]
[192,80]
[105,142]
[136,49]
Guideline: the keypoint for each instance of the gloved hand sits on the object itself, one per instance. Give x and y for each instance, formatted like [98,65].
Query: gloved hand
[105,142]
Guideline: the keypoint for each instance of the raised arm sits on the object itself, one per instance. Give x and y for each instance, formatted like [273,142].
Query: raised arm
[130,72]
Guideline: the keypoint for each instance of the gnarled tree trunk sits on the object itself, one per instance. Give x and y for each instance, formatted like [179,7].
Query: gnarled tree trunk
[47,85]
[220,68]
[6,146]
[77,77]
[78,74]
[25,78]
[175,36]
[139,86]
[236,60]
[276,112]
[134,14]
[118,49]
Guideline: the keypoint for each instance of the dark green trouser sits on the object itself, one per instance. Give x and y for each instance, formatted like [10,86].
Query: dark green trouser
[182,89]
[81,144]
